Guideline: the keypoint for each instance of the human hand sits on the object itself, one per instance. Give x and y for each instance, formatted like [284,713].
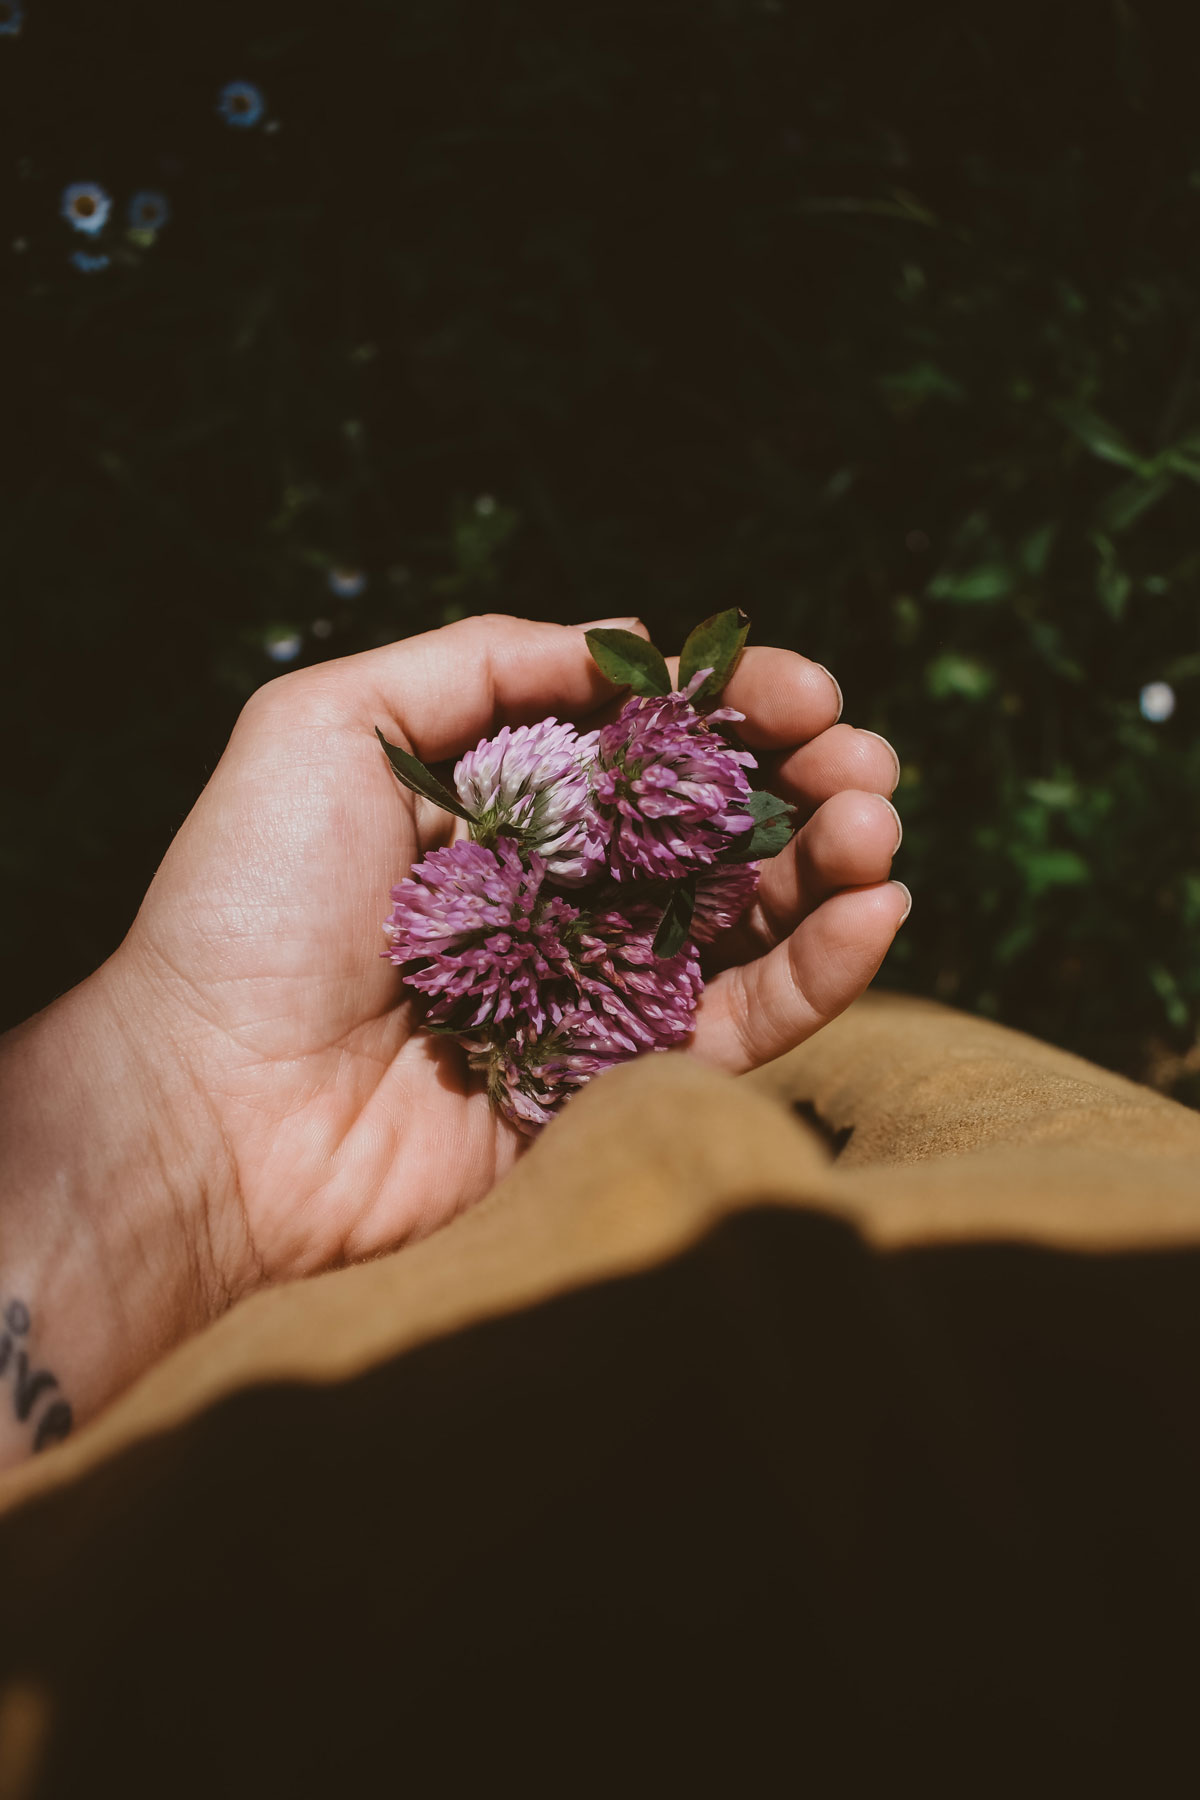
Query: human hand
[277,1060]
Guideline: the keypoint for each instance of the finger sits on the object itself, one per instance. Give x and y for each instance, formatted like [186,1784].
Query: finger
[840,758]
[446,689]
[849,842]
[787,699]
[750,1014]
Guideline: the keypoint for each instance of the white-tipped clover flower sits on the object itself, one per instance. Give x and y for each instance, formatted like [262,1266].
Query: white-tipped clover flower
[534,784]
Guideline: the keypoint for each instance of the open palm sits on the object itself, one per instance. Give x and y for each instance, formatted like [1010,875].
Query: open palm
[342,1129]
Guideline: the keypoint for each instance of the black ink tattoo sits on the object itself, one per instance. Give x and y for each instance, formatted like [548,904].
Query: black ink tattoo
[30,1387]
[29,1384]
[53,1426]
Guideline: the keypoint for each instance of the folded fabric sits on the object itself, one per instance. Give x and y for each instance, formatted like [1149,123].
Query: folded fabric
[820,1425]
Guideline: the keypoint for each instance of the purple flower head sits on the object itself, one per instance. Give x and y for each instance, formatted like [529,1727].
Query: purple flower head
[630,999]
[722,896]
[529,1077]
[672,788]
[627,1002]
[533,783]
[471,929]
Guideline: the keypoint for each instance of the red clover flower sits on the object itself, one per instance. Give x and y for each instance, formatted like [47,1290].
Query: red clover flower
[474,932]
[534,783]
[673,788]
[648,824]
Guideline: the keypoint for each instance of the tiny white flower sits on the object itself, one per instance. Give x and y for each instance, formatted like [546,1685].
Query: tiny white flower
[1157,701]
[283,646]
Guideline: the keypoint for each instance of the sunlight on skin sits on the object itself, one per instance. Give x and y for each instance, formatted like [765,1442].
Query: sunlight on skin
[243,1093]
[347,1130]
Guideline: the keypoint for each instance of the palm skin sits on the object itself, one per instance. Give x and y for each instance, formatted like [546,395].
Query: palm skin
[334,1127]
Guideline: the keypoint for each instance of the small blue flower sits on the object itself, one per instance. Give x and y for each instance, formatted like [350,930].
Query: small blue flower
[86,206]
[12,17]
[283,646]
[86,263]
[347,584]
[149,210]
[241,103]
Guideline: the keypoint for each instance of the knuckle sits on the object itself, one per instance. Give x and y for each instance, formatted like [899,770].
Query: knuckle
[280,692]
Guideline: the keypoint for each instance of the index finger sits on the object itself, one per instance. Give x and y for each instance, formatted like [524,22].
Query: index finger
[448,688]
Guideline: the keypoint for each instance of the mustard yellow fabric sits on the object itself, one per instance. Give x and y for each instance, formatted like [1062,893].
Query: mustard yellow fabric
[915,1204]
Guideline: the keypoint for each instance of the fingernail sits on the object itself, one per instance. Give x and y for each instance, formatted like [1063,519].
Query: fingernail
[908,907]
[610,624]
[896,816]
[838,688]
[891,747]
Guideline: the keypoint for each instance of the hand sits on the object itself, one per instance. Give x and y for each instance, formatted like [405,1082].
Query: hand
[298,1117]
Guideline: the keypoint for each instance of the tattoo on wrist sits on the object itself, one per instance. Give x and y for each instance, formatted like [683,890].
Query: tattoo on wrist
[29,1387]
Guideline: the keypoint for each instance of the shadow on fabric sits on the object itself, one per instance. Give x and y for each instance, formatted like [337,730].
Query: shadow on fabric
[783,1510]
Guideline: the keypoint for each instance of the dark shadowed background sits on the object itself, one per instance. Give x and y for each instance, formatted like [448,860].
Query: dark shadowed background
[878,321]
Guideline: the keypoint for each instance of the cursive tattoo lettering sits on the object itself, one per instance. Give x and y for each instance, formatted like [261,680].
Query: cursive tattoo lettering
[28,1384]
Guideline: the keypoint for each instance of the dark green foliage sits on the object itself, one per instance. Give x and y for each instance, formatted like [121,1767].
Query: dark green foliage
[877,321]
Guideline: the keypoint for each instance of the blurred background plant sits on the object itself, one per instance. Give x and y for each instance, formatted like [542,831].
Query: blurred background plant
[882,324]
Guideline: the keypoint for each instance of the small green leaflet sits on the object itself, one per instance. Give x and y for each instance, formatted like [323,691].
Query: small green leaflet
[715,644]
[673,927]
[416,776]
[1101,438]
[772,830]
[987,581]
[629,661]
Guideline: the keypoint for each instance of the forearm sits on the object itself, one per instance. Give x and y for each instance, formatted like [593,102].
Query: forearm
[101,1214]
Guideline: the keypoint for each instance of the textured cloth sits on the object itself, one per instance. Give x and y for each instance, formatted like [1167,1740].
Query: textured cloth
[832,1424]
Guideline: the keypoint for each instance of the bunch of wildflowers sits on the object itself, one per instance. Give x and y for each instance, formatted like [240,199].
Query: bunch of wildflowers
[561,935]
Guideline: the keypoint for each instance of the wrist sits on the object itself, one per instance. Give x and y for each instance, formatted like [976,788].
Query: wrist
[105,1258]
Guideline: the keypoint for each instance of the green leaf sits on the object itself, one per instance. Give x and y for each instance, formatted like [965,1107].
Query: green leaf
[1126,504]
[989,581]
[952,674]
[416,777]
[1061,794]
[716,644]
[1113,585]
[1046,869]
[1013,943]
[1036,548]
[629,661]
[1180,464]
[771,833]
[673,927]
[1167,989]
[1047,640]
[1101,438]
[923,381]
